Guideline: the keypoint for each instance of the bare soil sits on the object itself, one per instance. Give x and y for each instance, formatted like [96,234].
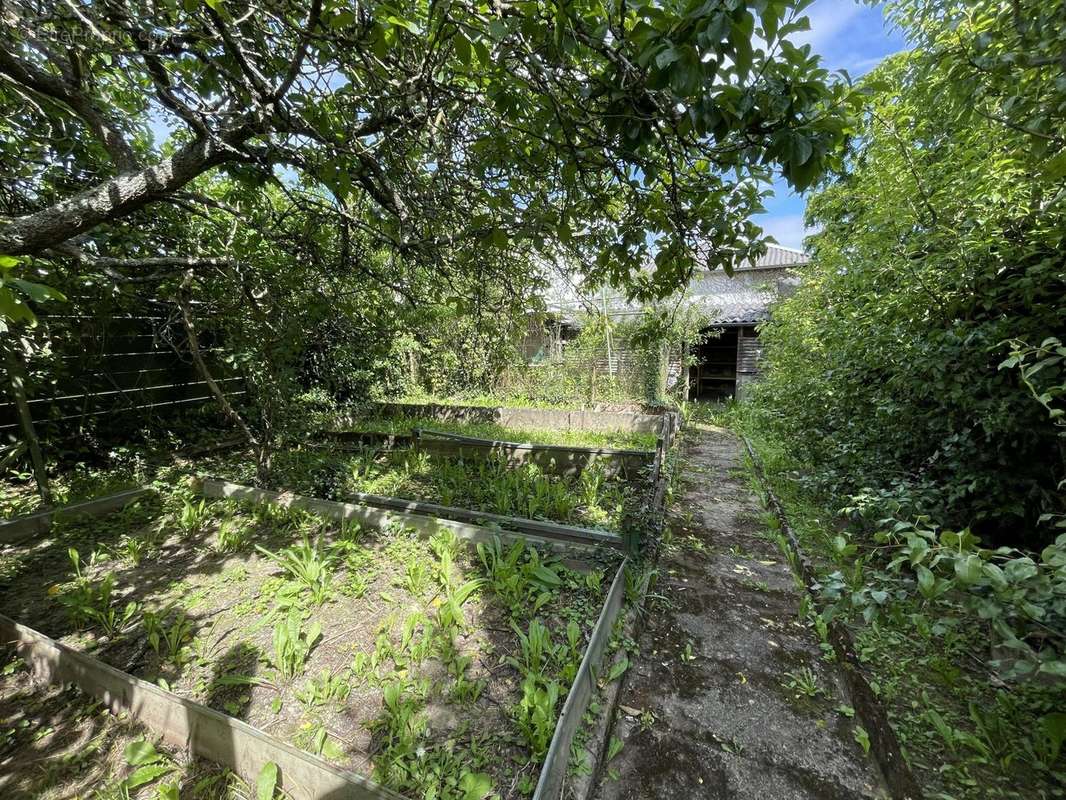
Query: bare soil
[57,743]
[231,602]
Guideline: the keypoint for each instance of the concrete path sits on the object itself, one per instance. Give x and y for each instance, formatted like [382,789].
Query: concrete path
[730,696]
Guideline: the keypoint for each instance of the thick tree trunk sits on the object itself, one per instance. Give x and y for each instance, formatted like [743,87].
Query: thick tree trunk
[17,376]
[116,197]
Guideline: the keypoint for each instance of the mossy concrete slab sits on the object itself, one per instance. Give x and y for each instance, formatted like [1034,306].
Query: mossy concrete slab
[730,696]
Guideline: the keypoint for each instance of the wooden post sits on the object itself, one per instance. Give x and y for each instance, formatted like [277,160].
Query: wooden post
[17,375]
[684,376]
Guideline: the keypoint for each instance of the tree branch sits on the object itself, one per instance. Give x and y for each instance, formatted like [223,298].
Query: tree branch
[37,80]
[118,196]
[182,301]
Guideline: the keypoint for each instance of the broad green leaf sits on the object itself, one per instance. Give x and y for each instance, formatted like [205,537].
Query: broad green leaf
[547,576]
[267,781]
[926,580]
[475,785]
[969,568]
[37,292]
[147,774]
[141,752]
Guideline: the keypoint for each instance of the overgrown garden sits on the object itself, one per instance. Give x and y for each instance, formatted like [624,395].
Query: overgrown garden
[229,231]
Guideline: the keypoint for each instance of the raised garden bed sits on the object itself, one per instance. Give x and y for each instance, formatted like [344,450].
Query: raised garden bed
[415,661]
[58,743]
[559,419]
[591,499]
[403,424]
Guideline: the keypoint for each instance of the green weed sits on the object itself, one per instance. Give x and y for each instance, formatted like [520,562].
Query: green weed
[292,644]
[310,566]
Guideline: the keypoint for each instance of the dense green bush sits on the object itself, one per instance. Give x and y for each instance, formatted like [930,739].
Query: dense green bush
[941,243]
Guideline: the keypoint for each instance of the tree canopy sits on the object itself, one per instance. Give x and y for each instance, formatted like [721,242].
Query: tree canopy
[439,131]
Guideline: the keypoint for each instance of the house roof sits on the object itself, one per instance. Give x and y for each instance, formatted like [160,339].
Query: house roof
[741,299]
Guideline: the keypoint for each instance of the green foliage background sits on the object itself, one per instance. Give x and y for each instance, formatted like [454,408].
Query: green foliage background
[941,241]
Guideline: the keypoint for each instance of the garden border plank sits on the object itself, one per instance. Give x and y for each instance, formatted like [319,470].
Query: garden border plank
[518,524]
[14,530]
[557,760]
[516,417]
[561,459]
[561,539]
[189,725]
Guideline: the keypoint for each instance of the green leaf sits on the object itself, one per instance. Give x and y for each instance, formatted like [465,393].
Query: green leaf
[342,19]
[37,292]
[926,581]
[475,785]
[618,669]
[547,576]
[800,150]
[969,568]
[331,750]
[406,24]
[267,781]
[14,309]
[1053,726]
[141,752]
[463,49]
[995,576]
[666,57]
[862,737]
[147,774]
[1056,668]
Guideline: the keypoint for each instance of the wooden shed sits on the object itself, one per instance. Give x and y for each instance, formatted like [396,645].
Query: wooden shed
[728,362]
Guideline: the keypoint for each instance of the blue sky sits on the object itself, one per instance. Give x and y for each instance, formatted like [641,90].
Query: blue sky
[848,35]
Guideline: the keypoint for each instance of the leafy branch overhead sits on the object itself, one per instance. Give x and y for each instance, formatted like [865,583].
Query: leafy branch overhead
[440,132]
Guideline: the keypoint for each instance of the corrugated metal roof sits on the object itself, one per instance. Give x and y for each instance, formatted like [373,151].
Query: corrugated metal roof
[778,256]
[741,299]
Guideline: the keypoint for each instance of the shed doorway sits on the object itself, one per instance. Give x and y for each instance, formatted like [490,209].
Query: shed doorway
[714,375]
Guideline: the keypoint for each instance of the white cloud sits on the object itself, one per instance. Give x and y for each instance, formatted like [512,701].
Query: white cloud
[828,19]
[787,229]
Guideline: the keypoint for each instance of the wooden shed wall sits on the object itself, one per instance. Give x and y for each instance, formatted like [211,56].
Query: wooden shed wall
[749,352]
